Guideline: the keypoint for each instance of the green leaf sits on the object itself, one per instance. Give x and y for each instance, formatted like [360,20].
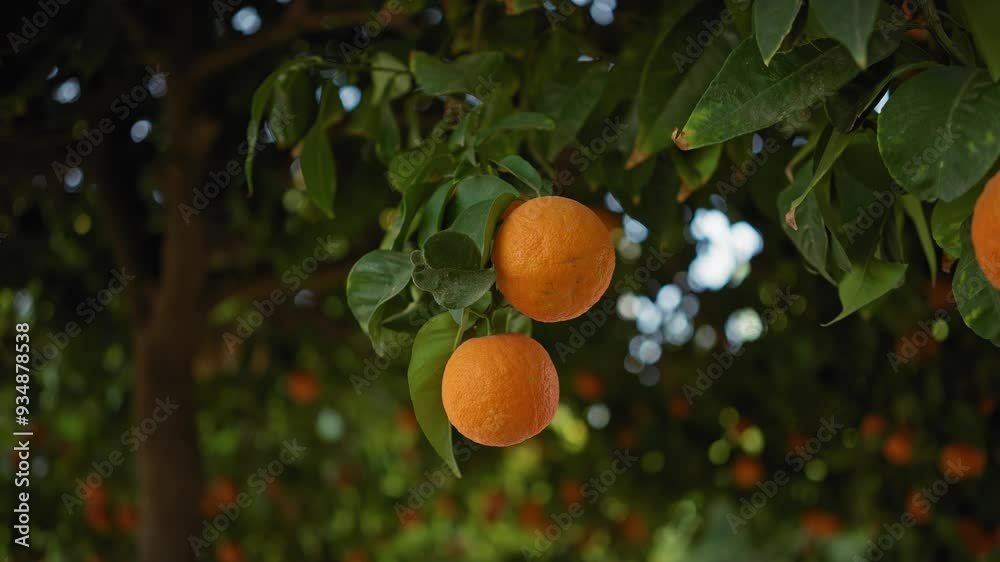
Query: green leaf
[432,348]
[319,169]
[696,167]
[375,279]
[475,189]
[864,285]
[978,301]
[508,320]
[772,21]
[413,200]
[569,98]
[522,170]
[938,134]
[915,211]
[832,148]
[660,73]
[448,268]
[810,235]
[261,99]
[430,221]
[468,74]
[427,162]
[451,249]
[391,83]
[847,107]
[849,21]
[480,220]
[520,121]
[746,96]
[331,110]
[387,138]
[947,219]
[982,17]
[293,107]
[657,120]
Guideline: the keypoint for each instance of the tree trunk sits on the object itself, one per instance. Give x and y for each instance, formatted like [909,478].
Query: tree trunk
[169,463]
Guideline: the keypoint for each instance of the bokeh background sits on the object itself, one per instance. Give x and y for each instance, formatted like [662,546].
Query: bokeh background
[713,370]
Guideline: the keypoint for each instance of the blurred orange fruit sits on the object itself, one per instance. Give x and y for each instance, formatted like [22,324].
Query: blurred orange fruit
[588,385]
[303,386]
[898,447]
[820,523]
[746,472]
[872,425]
[962,461]
[229,552]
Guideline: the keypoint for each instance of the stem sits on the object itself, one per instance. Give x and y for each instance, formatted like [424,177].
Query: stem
[937,27]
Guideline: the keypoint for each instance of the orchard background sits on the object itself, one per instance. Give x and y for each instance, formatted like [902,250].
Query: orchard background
[796,359]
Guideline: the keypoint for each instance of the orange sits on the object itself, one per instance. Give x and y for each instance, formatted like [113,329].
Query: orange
[961,460]
[820,523]
[303,386]
[553,258]
[898,447]
[500,390]
[920,511]
[985,224]
[872,425]
[746,472]
[588,385]
[229,552]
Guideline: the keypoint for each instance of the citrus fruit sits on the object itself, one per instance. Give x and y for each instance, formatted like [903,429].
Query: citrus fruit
[303,386]
[898,447]
[961,461]
[820,523]
[553,258]
[500,390]
[985,223]
[746,472]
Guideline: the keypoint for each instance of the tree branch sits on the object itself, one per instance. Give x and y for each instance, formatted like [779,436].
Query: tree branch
[261,285]
[297,18]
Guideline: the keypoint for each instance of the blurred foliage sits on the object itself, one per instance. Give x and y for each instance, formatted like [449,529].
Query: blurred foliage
[708,417]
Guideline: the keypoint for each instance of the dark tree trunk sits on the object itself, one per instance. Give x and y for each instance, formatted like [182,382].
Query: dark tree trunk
[169,463]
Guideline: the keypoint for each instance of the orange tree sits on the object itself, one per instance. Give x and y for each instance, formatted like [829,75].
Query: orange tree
[858,137]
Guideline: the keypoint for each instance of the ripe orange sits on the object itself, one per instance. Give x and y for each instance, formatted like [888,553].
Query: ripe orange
[962,461]
[872,425]
[588,385]
[898,447]
[919,510]
[303,386]
[985,223]
[500,390]
[229,552]
[746,472]
[553,258]
[820,524]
